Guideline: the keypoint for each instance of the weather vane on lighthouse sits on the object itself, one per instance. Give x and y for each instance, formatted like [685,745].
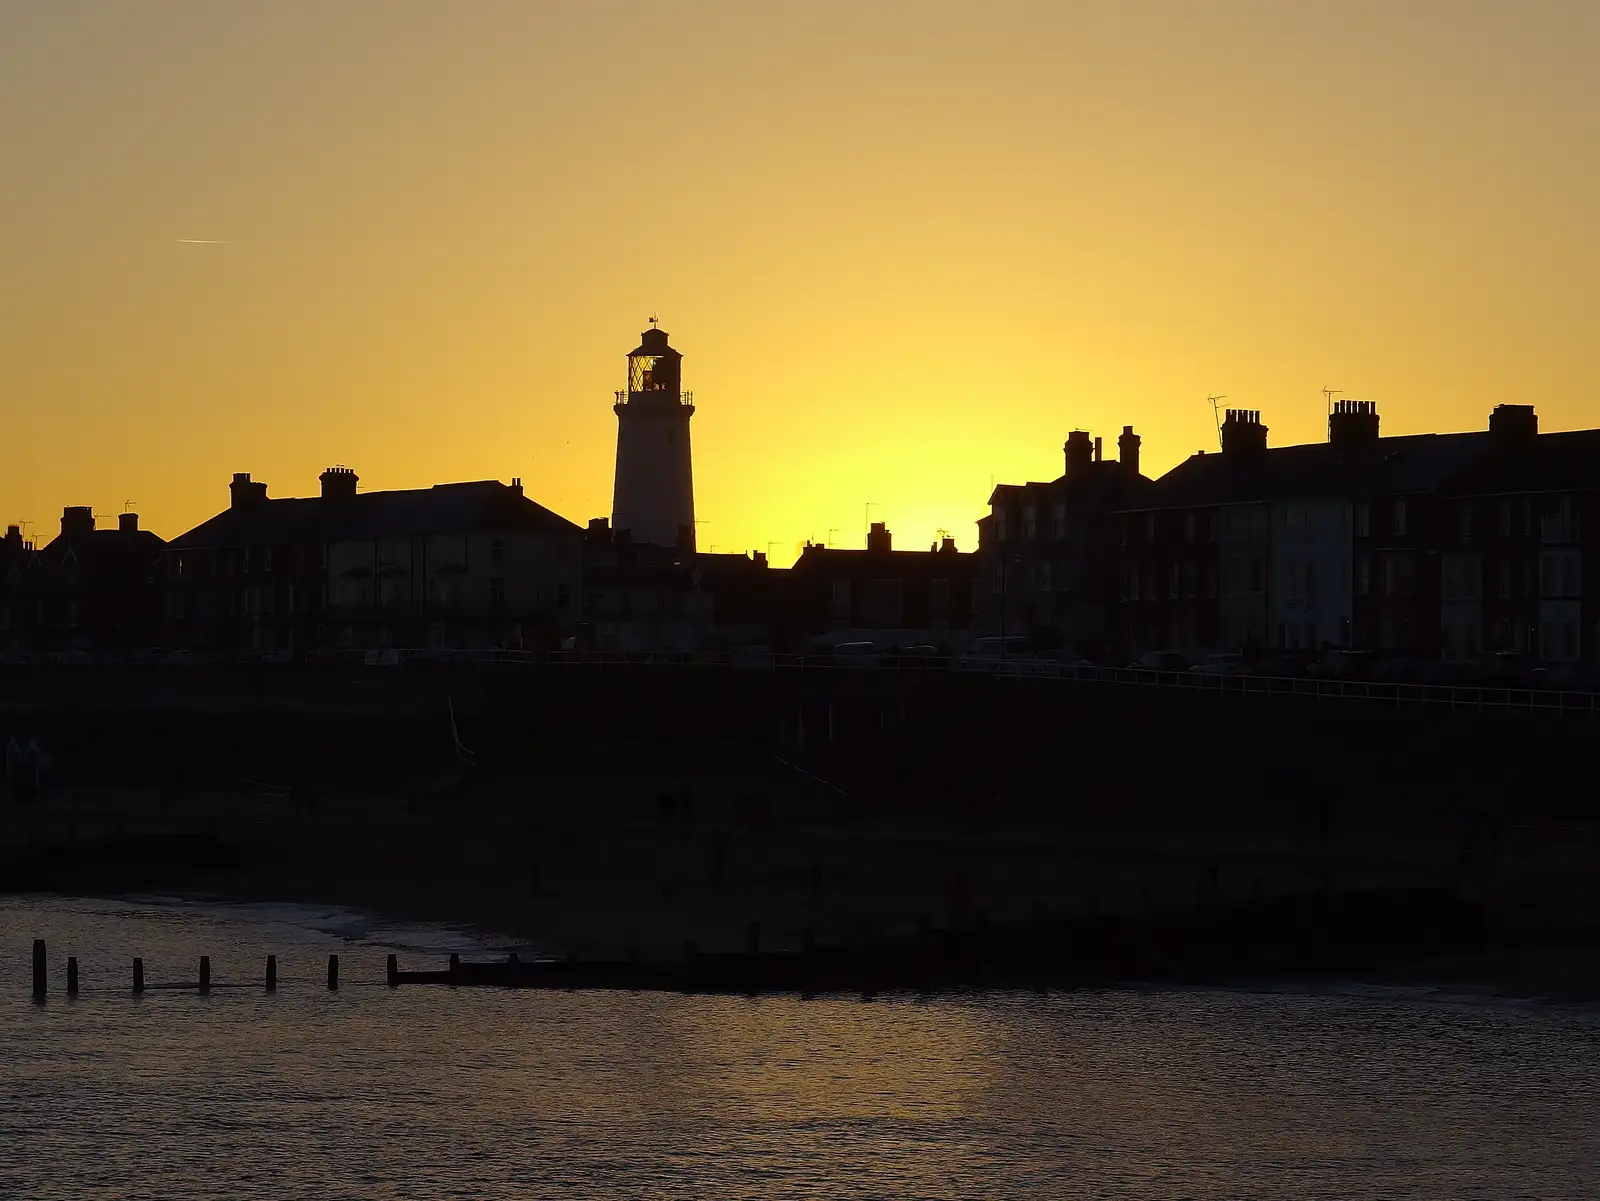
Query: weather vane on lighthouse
[653,321]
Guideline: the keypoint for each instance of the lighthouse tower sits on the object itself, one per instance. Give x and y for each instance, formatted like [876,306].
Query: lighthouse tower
[654,491]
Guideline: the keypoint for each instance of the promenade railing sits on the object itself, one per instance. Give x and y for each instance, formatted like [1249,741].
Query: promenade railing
[1244,684]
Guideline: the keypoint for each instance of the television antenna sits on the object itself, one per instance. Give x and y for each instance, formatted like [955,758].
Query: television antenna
[831,532]
[1328,394]
[127,506]
[1216,415]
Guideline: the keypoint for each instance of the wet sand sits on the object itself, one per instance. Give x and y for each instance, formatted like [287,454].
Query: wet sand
[595,868]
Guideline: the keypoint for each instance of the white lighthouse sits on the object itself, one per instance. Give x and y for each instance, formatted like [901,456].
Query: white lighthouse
[653,497]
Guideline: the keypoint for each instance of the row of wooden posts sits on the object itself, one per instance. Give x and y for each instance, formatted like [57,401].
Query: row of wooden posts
[41,974]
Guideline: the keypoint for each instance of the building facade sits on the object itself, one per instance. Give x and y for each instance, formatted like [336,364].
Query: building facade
[1051,555]
[455,565]
[893,598]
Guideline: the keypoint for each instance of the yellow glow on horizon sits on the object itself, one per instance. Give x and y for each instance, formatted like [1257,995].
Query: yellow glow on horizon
[904,247]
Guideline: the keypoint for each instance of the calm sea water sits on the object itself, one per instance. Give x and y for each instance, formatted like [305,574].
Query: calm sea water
[429,1092]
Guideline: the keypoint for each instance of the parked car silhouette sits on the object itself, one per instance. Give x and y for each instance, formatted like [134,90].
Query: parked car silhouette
[1225,664]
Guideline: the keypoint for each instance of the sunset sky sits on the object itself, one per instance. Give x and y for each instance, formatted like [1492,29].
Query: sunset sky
[904,247]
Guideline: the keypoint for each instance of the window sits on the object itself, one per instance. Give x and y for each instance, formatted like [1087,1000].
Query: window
[1527,577]
[1172,581]
[542,596]
[1569,576]
[1294,580]
[1469,579]
[883,604]
[1150,528]
[1058,521]
[1211,580]
[1505,581]
[1404,566]
[497,593]
[1363,520]
[245,562]
[1400,519]
[1030,527]
[1123,529]
[839,606]
[670,439]
[563,596]
[266,559]
[1469,641]
[1311,585]
[1255,575]
[1388,575]
[1549,575]
[999,525]
[497,552]
[1042,578]
[1190,578]
[1505,519]
[1211,527]
[939,597]
[1311,635]
[1188,527]
[1527,517]
[1452,579]
[1465,524]
[1282,636]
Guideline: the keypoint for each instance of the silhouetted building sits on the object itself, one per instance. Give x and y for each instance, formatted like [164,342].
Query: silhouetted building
[894,598]
[86,590]
[639,596]
[1049,551]
[1362,541]
[653,500]
[17,560]
[1521,523]
[455,565]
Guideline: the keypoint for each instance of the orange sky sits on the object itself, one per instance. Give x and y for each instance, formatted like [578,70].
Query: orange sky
[905,247]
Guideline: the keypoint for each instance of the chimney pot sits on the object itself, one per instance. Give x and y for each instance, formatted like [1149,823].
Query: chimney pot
[878,538]
[128,523]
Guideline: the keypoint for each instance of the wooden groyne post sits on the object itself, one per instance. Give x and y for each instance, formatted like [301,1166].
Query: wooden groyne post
[41,984]
[333,973]
[205,973]
[272,973]
[392,971]
[138,977]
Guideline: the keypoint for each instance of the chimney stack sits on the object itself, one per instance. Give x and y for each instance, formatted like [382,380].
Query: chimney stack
[947,545]
[245,491]
[1243,435]
[339,483]
[13,536]
[1353,423]
[1080,453]
[1097,455]
[1128,450]
[516,485]
[128,523]
[77,521]
[878,540]
[1513,427]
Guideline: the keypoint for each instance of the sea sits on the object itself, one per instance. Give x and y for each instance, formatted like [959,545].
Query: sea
[429,1091]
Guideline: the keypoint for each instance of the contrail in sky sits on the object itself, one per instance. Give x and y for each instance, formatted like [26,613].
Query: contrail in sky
[202,241]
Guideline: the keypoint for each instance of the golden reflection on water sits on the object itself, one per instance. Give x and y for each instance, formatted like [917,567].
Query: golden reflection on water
[424,1092]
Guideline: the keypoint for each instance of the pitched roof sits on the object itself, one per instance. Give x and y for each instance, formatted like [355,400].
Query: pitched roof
[1567,461]
[1317,470]
[1106,484]
[481,505]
